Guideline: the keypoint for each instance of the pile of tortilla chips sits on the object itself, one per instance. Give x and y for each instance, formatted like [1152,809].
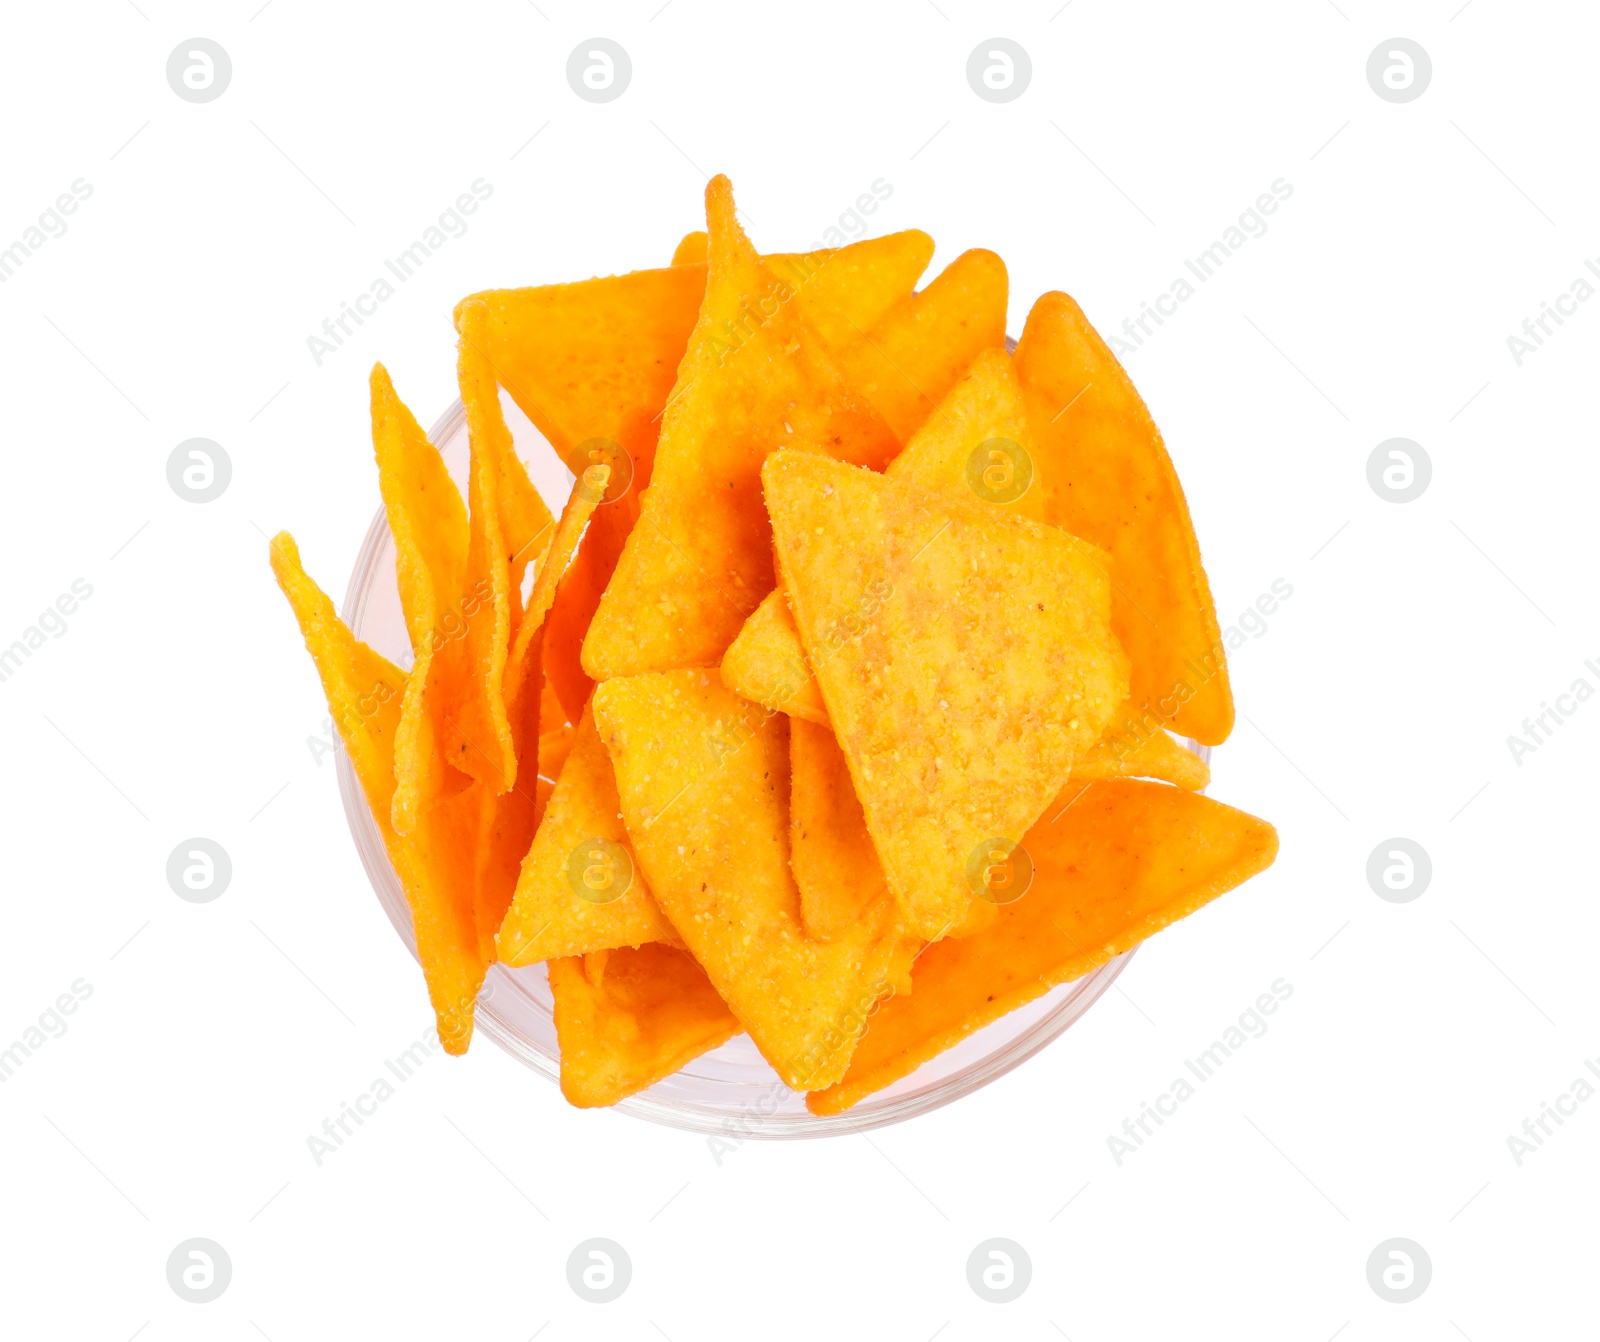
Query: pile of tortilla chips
[837,705]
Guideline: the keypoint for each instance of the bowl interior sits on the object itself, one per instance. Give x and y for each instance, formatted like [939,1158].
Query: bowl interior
[731,1091]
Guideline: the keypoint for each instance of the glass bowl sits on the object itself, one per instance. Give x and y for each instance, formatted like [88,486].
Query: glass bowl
[730,1092]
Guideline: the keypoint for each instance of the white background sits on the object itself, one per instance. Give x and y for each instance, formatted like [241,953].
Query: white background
[179,701]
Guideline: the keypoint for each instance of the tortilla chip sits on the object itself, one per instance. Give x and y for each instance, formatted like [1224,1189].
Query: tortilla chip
[434,865]
[830,852]
[593,360]
[580,888]
[1107,477]
[587,491]
[765,663]
[691,250]
[594,967]
[699,560]
[975,443]
[646,1013]
[525,520]
[1136,746]
[426,516]
[964,654]
[1127,860]
[914,355]
[506,519]
[507,822]
[845,293]
[704,784]
[429,524]
[577,598]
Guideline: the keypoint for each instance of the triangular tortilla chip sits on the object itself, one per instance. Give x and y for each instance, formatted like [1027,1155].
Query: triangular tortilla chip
[704,784]
[845,293]
[507,822]
[975,443]
[965,656]
[1127,860]
[426,516]
[507,518]
[580,888]
[595,359]
[837,870]
[1107,477]
[948,453]
[434,863]
[755,377]
[578,596]
[1139,747]
[649,1012]
[765,663]
[429,524]
[691,249]
[914,355]
[525,520]
[587,491]
[830,851]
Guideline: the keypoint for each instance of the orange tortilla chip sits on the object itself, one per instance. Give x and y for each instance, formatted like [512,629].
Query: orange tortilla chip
[907,362]
[964,654]
[1140,748]
[830,852]
[429,524]
[506,519]
[433,863]
[704,784]
[594,360]
[1107,477]
[580,888]
[691,250]
[755,377]
[587,491]
[845,293]
[1127,860]
[578,596]
[508,821]
[426,516]
[765,663]
[975,444]
[525,521]
[640,1016]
